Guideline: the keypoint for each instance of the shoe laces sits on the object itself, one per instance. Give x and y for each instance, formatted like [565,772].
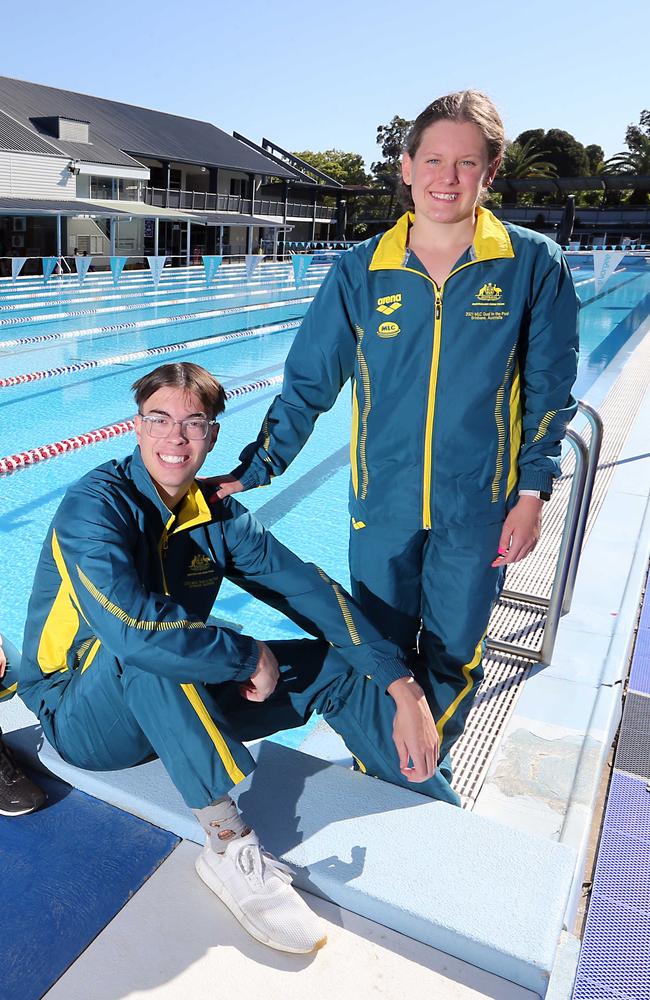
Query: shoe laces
[259,866]
[9,770]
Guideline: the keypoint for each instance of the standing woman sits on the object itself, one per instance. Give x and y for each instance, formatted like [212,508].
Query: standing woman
[459,333]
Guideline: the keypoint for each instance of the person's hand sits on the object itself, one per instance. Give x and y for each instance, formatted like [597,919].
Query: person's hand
[3,660]
[223,486]
[414,731]
[261,684]
[521,531]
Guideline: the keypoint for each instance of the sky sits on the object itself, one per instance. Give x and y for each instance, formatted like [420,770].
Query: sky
[322,76]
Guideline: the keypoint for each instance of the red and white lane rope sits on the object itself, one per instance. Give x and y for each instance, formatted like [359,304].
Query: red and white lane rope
[118,359]
[145,324]
[11,463]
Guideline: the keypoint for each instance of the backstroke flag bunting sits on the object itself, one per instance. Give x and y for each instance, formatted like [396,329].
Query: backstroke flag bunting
[211,264]
[252,262]
[17,264]
[49,263]
[605,263]
[301,262]
[156,265]
[117,266]
[82,263]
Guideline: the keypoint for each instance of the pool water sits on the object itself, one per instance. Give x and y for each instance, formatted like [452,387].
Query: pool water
[307,507]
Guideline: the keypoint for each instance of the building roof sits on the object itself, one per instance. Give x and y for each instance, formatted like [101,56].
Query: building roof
[18,139]
[121,131]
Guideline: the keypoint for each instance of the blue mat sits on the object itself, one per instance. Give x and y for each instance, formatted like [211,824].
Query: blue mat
[65,871]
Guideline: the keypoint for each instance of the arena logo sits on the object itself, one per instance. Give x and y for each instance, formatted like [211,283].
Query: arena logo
[389,304]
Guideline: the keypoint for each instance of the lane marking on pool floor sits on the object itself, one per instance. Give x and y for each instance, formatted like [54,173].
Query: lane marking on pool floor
[144,324]
[134,286]
[215,341]
[221,292]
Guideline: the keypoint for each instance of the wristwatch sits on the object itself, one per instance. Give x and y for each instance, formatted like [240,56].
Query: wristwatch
[540,494]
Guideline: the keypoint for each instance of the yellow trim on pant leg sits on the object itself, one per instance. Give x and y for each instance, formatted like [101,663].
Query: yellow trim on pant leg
[469,684]
[362,766]
[220,744]
[7,692]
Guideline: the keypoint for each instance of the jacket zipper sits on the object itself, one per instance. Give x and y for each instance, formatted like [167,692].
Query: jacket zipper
[433,382]
[162,551]
[431,405]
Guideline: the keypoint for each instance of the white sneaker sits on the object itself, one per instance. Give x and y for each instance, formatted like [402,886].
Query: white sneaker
[257,889]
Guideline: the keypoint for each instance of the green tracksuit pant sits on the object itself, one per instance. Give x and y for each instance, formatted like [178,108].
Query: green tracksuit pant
[434,589]
[114,716]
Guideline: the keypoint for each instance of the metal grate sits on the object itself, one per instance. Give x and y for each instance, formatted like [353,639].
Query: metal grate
[494,702]
[640,673]
[616,945]
[645,616]
[523,623]
[633,751]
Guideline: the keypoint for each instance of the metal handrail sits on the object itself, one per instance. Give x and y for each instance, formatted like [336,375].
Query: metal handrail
[559,603]
[595,443]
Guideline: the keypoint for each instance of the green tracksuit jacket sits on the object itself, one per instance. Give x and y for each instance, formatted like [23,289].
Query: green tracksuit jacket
[460,393]
[122,574]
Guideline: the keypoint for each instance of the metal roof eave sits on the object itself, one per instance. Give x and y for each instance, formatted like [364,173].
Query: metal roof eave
[51,208]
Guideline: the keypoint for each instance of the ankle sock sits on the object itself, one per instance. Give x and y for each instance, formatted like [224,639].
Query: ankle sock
[223,822]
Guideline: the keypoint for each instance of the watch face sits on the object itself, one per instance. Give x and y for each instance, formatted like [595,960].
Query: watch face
[543,495]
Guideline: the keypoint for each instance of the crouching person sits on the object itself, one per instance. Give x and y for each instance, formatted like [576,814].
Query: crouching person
[121,661]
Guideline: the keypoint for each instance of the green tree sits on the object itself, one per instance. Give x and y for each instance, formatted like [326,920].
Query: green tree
[387,172]
[637,158]
[346,168]
[560,148]
[595,157]
[521,161]
[636,135]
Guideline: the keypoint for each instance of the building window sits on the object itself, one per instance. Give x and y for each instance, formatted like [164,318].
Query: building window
[129,190]
[102,187]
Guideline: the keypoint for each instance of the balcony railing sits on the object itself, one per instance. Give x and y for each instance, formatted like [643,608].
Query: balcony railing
[207,201]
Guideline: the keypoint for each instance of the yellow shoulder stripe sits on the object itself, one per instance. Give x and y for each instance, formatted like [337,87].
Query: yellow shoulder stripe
[123,616]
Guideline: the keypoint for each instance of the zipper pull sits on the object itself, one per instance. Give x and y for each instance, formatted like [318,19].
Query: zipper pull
[438,306]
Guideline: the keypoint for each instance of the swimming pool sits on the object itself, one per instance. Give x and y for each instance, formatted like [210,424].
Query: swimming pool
[307,508]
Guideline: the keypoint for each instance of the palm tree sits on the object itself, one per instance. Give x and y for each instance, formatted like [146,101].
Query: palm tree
[635,162]
[521,161]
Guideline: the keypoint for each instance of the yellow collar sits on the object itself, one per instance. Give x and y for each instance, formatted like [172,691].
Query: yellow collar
[491,241]
[193,511]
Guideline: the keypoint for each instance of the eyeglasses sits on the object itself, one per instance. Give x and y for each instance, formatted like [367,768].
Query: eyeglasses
[192,428]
